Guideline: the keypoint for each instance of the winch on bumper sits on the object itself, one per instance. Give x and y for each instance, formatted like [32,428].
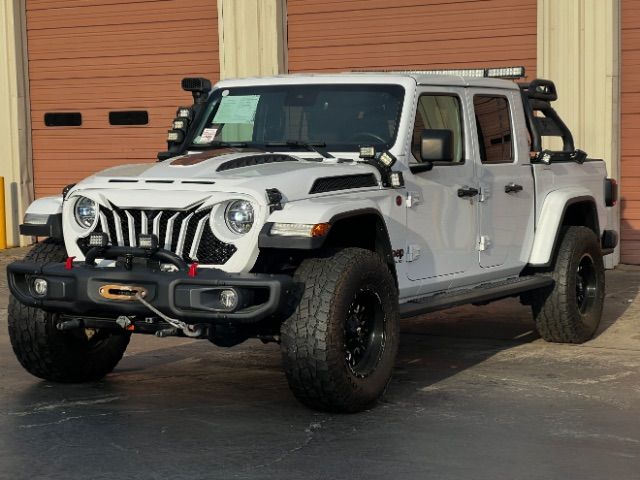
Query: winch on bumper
[192,295]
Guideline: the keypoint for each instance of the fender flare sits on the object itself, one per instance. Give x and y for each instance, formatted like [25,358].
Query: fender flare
[301,213]
[549,223]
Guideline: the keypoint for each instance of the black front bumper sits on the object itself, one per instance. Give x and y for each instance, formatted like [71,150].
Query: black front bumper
[77,291]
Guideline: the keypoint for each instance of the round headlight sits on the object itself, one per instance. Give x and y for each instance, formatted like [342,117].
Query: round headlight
[239,216]
[85,212]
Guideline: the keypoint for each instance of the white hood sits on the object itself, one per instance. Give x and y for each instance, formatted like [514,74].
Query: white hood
[199,173]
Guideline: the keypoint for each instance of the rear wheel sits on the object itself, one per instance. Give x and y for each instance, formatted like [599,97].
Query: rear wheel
[570,311]
[63,356]
[340,345]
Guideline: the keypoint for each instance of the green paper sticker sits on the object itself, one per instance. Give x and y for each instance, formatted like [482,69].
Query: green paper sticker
[237,109]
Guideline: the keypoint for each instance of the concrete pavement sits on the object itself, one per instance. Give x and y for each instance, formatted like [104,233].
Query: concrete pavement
[476,395]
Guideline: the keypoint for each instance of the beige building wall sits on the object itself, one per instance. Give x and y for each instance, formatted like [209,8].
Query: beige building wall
[15,158]
[253,37]
[578,48]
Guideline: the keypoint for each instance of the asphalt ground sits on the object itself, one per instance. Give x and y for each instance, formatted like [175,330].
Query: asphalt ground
[476,395]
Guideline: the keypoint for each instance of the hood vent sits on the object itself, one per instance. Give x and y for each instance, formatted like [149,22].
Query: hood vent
[254,160]
[343,182]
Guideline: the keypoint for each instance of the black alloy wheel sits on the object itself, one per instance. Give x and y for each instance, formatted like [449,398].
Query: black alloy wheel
[364,333]
[586,284]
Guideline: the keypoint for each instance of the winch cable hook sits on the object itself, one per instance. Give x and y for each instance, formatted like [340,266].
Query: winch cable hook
[175,323]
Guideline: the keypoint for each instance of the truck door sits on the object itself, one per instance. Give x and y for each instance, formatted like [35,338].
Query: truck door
[505,180]
[441,226]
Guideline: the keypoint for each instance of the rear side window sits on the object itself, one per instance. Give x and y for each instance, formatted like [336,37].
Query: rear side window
[493,123]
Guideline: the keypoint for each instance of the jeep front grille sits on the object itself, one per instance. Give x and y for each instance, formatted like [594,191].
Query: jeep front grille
[184,232]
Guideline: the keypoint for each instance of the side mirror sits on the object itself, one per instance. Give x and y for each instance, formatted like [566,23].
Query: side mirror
[436,145]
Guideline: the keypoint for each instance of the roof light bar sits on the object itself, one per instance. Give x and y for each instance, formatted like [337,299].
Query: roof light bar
[505,72]
[463,72]
[498,72]
[511,73]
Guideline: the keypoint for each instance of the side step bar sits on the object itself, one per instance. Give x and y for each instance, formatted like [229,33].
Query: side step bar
[480,294]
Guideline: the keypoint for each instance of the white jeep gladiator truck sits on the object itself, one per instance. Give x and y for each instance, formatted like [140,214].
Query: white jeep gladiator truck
[315,211]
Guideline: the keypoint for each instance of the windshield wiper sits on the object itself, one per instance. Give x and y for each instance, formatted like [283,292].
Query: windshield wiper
[220,143]
[311,147]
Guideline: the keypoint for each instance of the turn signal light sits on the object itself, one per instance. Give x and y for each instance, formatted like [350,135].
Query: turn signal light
[610,192]
[320,229]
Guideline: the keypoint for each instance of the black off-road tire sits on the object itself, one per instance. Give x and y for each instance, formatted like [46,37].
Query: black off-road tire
[48,353]
[570,311]
[340,344]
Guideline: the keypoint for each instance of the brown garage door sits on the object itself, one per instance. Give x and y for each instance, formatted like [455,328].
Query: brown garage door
[94,57]
[630,133]
[337,35]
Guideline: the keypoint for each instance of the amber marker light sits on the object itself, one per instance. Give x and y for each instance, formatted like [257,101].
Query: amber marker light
[320,229]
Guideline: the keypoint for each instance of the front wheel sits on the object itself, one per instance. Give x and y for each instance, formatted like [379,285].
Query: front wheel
[339,346]
[63,356]
[570,311]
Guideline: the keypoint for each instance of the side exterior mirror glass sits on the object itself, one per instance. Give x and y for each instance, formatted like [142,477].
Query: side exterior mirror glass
[436,145]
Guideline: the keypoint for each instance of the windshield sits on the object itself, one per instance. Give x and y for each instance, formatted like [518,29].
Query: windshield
[335,117]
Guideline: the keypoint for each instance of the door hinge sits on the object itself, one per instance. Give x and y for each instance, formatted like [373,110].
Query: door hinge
[413,198]
[413,252]
[483,243]
[484,194]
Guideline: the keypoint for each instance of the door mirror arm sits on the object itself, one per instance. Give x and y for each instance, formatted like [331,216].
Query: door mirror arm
[421,167]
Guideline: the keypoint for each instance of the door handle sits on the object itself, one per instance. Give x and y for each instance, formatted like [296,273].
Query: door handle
[467,192]
[512,188]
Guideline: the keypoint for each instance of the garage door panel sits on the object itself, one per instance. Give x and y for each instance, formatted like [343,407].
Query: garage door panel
[47,5]
[443,49]
[414,21]
[95,57]
[124,44]
[113,67]
[357,34]
[630,133]
[302,7]
[109,141]
[430,39]
[75,93]
[123,13]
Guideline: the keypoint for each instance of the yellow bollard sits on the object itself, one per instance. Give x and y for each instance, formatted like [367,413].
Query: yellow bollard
[3,218]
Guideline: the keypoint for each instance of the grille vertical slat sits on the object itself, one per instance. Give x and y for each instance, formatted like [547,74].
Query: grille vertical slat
[197,236]
[181,234]
[104,225]
[169,232]
[132,229]
[118,226]
[144,228]
[185,233]
[156,224]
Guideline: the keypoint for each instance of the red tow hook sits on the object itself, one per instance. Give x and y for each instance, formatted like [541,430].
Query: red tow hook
[68,264]
[193,269]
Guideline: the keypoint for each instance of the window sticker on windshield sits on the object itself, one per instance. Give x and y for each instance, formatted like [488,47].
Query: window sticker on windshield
[237,109]
[207,136]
